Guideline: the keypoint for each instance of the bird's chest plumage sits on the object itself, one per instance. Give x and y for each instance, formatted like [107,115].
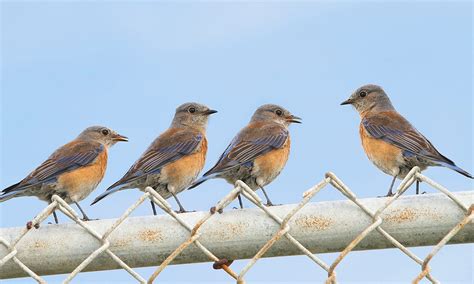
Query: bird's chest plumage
[78,184]
[386,157]
[268,166]
[181,173]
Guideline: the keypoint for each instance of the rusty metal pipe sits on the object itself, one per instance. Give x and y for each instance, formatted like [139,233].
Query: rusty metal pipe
[321,227]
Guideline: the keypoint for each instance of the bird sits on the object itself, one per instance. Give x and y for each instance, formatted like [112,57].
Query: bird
[173,160]
[258,153]
[390,141]
[72,172]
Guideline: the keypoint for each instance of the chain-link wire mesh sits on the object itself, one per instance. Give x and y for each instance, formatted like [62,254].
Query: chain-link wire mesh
[283,231]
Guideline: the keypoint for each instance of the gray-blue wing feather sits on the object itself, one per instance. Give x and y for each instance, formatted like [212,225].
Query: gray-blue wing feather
[156,157]
[243,151]
[67,158]
[407,139]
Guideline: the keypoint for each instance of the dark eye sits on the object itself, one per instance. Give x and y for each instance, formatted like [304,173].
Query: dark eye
[362,94]
[279,112]
[192,110]
[105,132]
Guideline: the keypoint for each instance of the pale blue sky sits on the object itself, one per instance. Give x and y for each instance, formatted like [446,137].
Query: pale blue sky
[127,65]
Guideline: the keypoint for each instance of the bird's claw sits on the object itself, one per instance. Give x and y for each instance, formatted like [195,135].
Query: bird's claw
[183,211]
[89,219]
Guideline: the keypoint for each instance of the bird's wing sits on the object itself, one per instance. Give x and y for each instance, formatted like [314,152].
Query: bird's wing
[69,157]
[249,144]
[167,148]
[396,130]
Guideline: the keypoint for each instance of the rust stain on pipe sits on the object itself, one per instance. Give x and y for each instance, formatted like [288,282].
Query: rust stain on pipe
[230,230]
[314,222]
[408,215]
[150,235]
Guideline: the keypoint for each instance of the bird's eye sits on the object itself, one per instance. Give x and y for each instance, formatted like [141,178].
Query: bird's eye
[192,110]
[105,132]
[279,112]
[362,94]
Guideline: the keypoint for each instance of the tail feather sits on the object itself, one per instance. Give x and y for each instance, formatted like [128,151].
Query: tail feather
[457,169]
[200,180]
[9,195]
[11,188]
[109,191]
[10,192]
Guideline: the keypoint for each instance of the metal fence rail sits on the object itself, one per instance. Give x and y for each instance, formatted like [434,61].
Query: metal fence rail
[304,229]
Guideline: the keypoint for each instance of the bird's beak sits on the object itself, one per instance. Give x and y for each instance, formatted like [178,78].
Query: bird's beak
[210,111]
[117,137]
[293,119]
[347,102]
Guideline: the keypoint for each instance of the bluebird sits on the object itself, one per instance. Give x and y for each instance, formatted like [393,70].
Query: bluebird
[258,153]
[72,172]
[390,141]
[174,160]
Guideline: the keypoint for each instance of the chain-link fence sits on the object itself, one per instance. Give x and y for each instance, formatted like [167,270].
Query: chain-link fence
[375,221]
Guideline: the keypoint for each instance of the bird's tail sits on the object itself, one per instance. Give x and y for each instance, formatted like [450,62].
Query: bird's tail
[457,169]
[201,180]
[9,195]
[9,192]
[112,189]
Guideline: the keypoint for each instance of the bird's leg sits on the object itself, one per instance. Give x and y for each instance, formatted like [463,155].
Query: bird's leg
[390,193]
[84,216]
[240,202]
[181,208]
[153,207]
[55,217]
[269,203]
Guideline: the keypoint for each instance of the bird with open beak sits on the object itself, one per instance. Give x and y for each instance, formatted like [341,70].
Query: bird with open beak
[258,153]
[72,172]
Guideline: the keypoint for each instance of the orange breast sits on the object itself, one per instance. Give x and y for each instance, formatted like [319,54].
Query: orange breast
[385,156]
[268,166]
[81,182]
[181,173]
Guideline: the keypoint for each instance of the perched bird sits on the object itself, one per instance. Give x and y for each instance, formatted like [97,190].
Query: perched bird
[174,160]
[258,153]
[72,172]
[390,141]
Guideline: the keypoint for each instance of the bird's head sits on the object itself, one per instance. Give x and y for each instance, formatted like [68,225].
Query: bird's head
[193,115]
[275,113]
[369,97]
[101,134]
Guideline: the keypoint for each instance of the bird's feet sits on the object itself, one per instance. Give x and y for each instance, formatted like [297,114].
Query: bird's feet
[182,210]
[86,219]
[390,194]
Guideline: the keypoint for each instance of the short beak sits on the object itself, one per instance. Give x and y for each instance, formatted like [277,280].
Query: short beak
[118,137]
[346,102]
[210,111]
[293,119]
